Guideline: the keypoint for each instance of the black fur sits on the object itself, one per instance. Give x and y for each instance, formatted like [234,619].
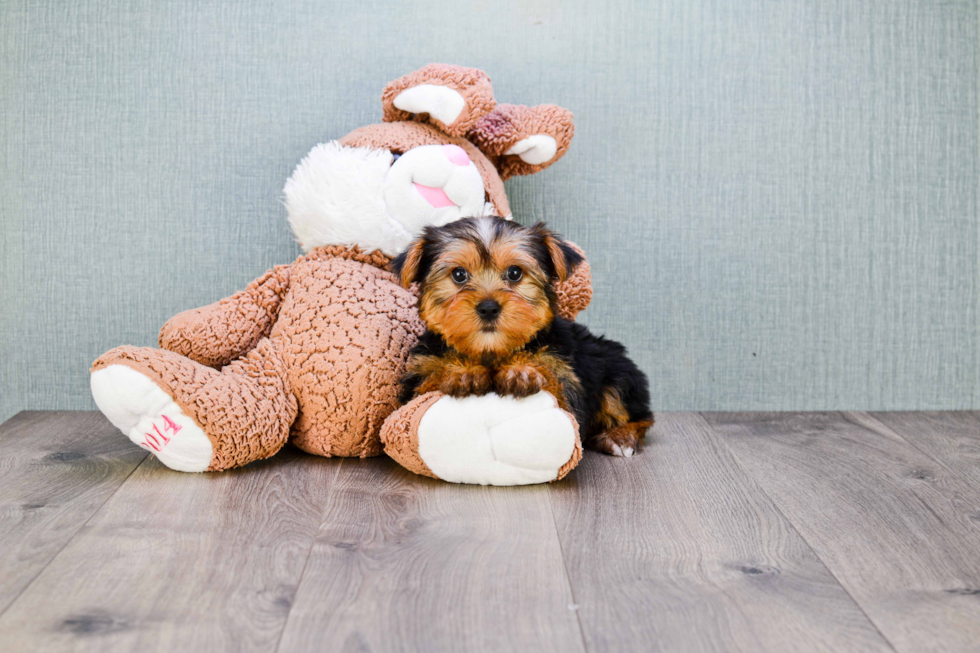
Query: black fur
[430,344]
[599,363]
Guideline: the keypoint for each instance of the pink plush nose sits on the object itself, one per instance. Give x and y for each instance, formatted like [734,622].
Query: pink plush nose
[456,154]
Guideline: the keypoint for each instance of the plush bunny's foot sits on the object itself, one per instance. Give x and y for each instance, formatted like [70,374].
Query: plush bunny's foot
[150,418]
[488,440]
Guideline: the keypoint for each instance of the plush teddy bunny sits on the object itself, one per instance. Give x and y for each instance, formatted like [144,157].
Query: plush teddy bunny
[312,352]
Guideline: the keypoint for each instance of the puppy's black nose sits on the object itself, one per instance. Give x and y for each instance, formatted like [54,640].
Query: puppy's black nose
[488,309]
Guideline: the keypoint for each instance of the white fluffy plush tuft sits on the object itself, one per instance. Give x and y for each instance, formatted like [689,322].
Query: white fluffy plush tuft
[494,440]
[335,197]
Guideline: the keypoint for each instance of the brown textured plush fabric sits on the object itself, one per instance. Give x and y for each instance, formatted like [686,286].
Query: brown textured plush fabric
[400,433]
[219,333]
[346,327]
[245,409]
[472,84]
[502,128]
[575,292]
[329,367]
[403,136]
[576,453]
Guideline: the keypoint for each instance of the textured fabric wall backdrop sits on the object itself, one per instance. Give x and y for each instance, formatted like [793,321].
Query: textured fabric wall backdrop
[779,199]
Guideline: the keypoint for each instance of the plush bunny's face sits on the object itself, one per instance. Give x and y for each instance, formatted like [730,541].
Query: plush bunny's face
[379,186]
[442,154]
[433,185]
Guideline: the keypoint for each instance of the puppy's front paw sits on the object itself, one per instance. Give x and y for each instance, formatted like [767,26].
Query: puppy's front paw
[465,381]
[519,380]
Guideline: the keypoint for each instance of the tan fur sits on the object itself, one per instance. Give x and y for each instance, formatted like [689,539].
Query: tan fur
[525,373]
[613,418]
[450,309]
[413,257]
[451,375]
[612,412]
[557,256]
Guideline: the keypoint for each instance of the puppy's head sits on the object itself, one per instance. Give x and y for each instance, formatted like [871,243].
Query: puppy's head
[487,284]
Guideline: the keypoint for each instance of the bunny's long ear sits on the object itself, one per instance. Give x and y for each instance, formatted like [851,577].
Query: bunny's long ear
[451,98]
[523,140]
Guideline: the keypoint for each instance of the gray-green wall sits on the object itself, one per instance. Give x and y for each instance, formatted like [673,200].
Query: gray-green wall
[779,199]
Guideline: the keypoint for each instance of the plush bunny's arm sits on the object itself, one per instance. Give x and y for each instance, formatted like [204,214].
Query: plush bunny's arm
[575,292]
[217,334]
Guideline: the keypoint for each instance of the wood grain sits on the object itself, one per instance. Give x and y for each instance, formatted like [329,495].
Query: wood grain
[180,562]
[677,549]
[899,531]
[407,563]
[56,471]
[950,438]
[744,532]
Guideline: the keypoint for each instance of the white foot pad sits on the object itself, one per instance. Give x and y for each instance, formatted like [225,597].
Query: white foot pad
[143,411]
[494,440]
[620,451]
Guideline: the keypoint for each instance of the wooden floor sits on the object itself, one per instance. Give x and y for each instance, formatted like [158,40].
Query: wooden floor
[728,532]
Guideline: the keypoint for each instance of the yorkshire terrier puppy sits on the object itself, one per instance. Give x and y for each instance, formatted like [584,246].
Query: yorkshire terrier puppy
[488,299]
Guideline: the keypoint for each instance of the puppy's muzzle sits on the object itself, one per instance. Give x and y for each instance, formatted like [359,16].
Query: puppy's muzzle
[488,310]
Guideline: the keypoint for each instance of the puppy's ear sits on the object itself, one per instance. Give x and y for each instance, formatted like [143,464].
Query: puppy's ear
[563,256]
[408,264]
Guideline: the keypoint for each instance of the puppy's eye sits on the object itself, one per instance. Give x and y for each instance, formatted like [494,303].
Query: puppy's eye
[514,273]
[460,275]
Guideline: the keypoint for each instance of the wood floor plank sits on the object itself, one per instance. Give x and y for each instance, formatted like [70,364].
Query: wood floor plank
[676,549]
[951,438]
[900,531]
[180,562]
[56,471]
[405,563]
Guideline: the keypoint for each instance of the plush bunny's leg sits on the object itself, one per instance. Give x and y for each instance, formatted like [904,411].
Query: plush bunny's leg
[488,440]
[192,417]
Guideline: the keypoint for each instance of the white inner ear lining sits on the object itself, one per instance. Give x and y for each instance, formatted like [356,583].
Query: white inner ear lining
[536,149]
[440,102]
